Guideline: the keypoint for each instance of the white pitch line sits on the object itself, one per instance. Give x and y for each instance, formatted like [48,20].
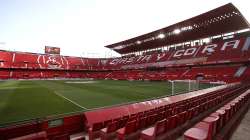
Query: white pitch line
[58,94]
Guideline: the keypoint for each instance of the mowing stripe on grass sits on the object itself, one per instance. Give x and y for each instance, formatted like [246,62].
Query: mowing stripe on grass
[60,95]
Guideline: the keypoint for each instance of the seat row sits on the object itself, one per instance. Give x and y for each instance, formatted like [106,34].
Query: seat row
[164,126]
[216,121]
[173,115]
[34,136]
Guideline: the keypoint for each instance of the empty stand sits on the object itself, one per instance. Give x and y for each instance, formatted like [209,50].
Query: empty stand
[212,113]
[224,60]
[164,118]
[219,124]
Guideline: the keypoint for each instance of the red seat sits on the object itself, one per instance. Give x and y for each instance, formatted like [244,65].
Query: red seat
[107,122]
[227,109]
[152,132]
[151,119]
[168,113]
[112,127]
[222,115]
[195,134]
[199,132]
[35,136]
[191,113]
[161,115]
[132,118]
[123,122]
[128,129]
[217,115]
[141,122]
[196,110]
[172,122]
[212,121]
[182,117]
[94,130]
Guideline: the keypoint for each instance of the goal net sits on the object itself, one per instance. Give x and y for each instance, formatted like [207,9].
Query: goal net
[183,86]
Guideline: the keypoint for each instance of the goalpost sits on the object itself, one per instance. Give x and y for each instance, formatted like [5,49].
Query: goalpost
[182,86]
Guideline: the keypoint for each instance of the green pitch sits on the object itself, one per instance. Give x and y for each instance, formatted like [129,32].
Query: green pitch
[22,100]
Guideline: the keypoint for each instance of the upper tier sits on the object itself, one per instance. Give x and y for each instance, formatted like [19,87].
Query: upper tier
[224,19]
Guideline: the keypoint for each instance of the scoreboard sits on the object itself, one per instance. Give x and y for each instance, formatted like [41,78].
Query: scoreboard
[52,50]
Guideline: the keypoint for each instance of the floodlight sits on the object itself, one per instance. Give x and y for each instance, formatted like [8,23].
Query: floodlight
[119,47]
[161,36]
[176,31]
[138,42]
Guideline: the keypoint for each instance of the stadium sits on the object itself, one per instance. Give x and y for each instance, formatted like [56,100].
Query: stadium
[189,80]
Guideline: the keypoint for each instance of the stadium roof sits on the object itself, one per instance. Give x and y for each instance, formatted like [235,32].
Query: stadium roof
[221,20]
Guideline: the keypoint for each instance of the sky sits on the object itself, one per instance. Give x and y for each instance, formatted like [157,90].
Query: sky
[84,27]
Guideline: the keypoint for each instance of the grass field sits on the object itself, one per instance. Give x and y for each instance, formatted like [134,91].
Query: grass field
[21,100]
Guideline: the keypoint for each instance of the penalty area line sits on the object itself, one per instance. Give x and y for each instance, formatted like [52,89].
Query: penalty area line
[60,95]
